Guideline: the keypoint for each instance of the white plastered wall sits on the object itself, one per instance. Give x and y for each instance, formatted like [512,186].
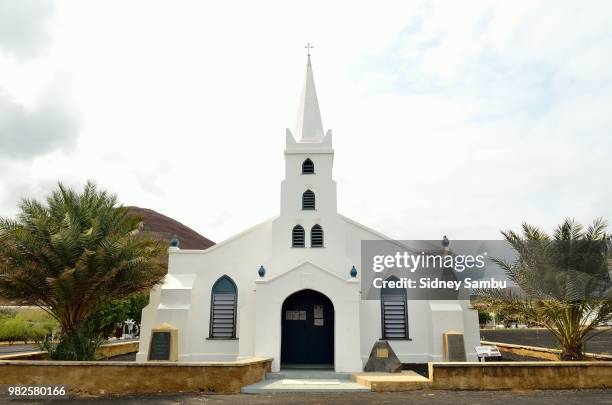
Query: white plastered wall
[344,295]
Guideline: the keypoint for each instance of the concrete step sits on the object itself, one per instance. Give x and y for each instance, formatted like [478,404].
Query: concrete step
[286,385]
[386,382]
[301,374]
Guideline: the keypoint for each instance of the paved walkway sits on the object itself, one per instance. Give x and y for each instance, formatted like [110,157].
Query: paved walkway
[9,349]
[306,381]
[421,397]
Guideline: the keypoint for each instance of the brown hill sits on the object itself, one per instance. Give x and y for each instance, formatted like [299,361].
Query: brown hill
[163,228]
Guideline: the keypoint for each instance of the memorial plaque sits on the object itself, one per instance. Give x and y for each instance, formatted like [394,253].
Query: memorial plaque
[160,346]
[454,347]
[163,345]
[382,358]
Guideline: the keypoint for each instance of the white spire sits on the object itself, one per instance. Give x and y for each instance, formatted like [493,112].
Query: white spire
[309,127]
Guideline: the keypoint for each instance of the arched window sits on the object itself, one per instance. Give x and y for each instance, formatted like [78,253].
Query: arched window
[307,167]
[297,236]
[394,312]
[316,236]
[223,309]
[308,200]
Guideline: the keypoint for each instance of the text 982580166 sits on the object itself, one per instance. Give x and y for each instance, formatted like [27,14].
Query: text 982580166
[34,391]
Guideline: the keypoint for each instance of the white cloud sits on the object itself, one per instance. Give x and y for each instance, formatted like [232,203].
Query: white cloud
[455,118]
[23,29]
[49,125]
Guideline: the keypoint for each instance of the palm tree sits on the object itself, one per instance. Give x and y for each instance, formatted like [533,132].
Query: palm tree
[565,282]
[75,252]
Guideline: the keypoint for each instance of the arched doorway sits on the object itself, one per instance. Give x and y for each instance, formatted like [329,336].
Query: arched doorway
[307,330]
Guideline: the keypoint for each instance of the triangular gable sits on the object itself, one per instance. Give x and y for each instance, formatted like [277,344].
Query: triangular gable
[301,265]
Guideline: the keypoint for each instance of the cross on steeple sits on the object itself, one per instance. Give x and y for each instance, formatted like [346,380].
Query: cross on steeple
[308,48]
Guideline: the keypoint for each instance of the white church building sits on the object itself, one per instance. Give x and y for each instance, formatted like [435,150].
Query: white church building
[289,288]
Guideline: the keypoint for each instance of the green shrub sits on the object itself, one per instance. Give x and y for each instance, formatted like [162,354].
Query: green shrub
[484,317]
[6,314]
[38,334]
[34,315]
[39,321]
[26,325]
[80,345]
[135,305]
[112,314]
[13,330]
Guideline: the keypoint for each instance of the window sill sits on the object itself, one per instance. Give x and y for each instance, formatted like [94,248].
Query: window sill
[299,247]
[221,338]
[407,339]
[309,209]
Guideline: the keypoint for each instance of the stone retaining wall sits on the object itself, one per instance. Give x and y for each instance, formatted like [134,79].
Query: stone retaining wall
[116,378]
[117,349]
[521,375]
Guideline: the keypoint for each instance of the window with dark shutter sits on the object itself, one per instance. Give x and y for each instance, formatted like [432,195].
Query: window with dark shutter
[223,309]
[297,236]
[307,167]
[394,312]
[316,236]
[308,200]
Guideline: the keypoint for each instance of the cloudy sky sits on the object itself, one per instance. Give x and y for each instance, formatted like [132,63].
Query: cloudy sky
[457,118]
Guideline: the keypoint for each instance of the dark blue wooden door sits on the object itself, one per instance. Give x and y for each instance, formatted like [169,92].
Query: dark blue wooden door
[307,329]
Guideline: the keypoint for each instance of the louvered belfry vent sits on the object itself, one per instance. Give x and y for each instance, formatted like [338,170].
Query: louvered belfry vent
[297,236]
[307,167]
[223,309]
[394,314]
[308,200]
[316,236]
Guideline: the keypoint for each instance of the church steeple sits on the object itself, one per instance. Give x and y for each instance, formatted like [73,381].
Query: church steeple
[308,214]
[309,127]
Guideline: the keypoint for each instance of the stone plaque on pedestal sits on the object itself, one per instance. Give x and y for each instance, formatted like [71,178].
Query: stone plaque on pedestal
[382,358]
[454,347]
[164,343]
